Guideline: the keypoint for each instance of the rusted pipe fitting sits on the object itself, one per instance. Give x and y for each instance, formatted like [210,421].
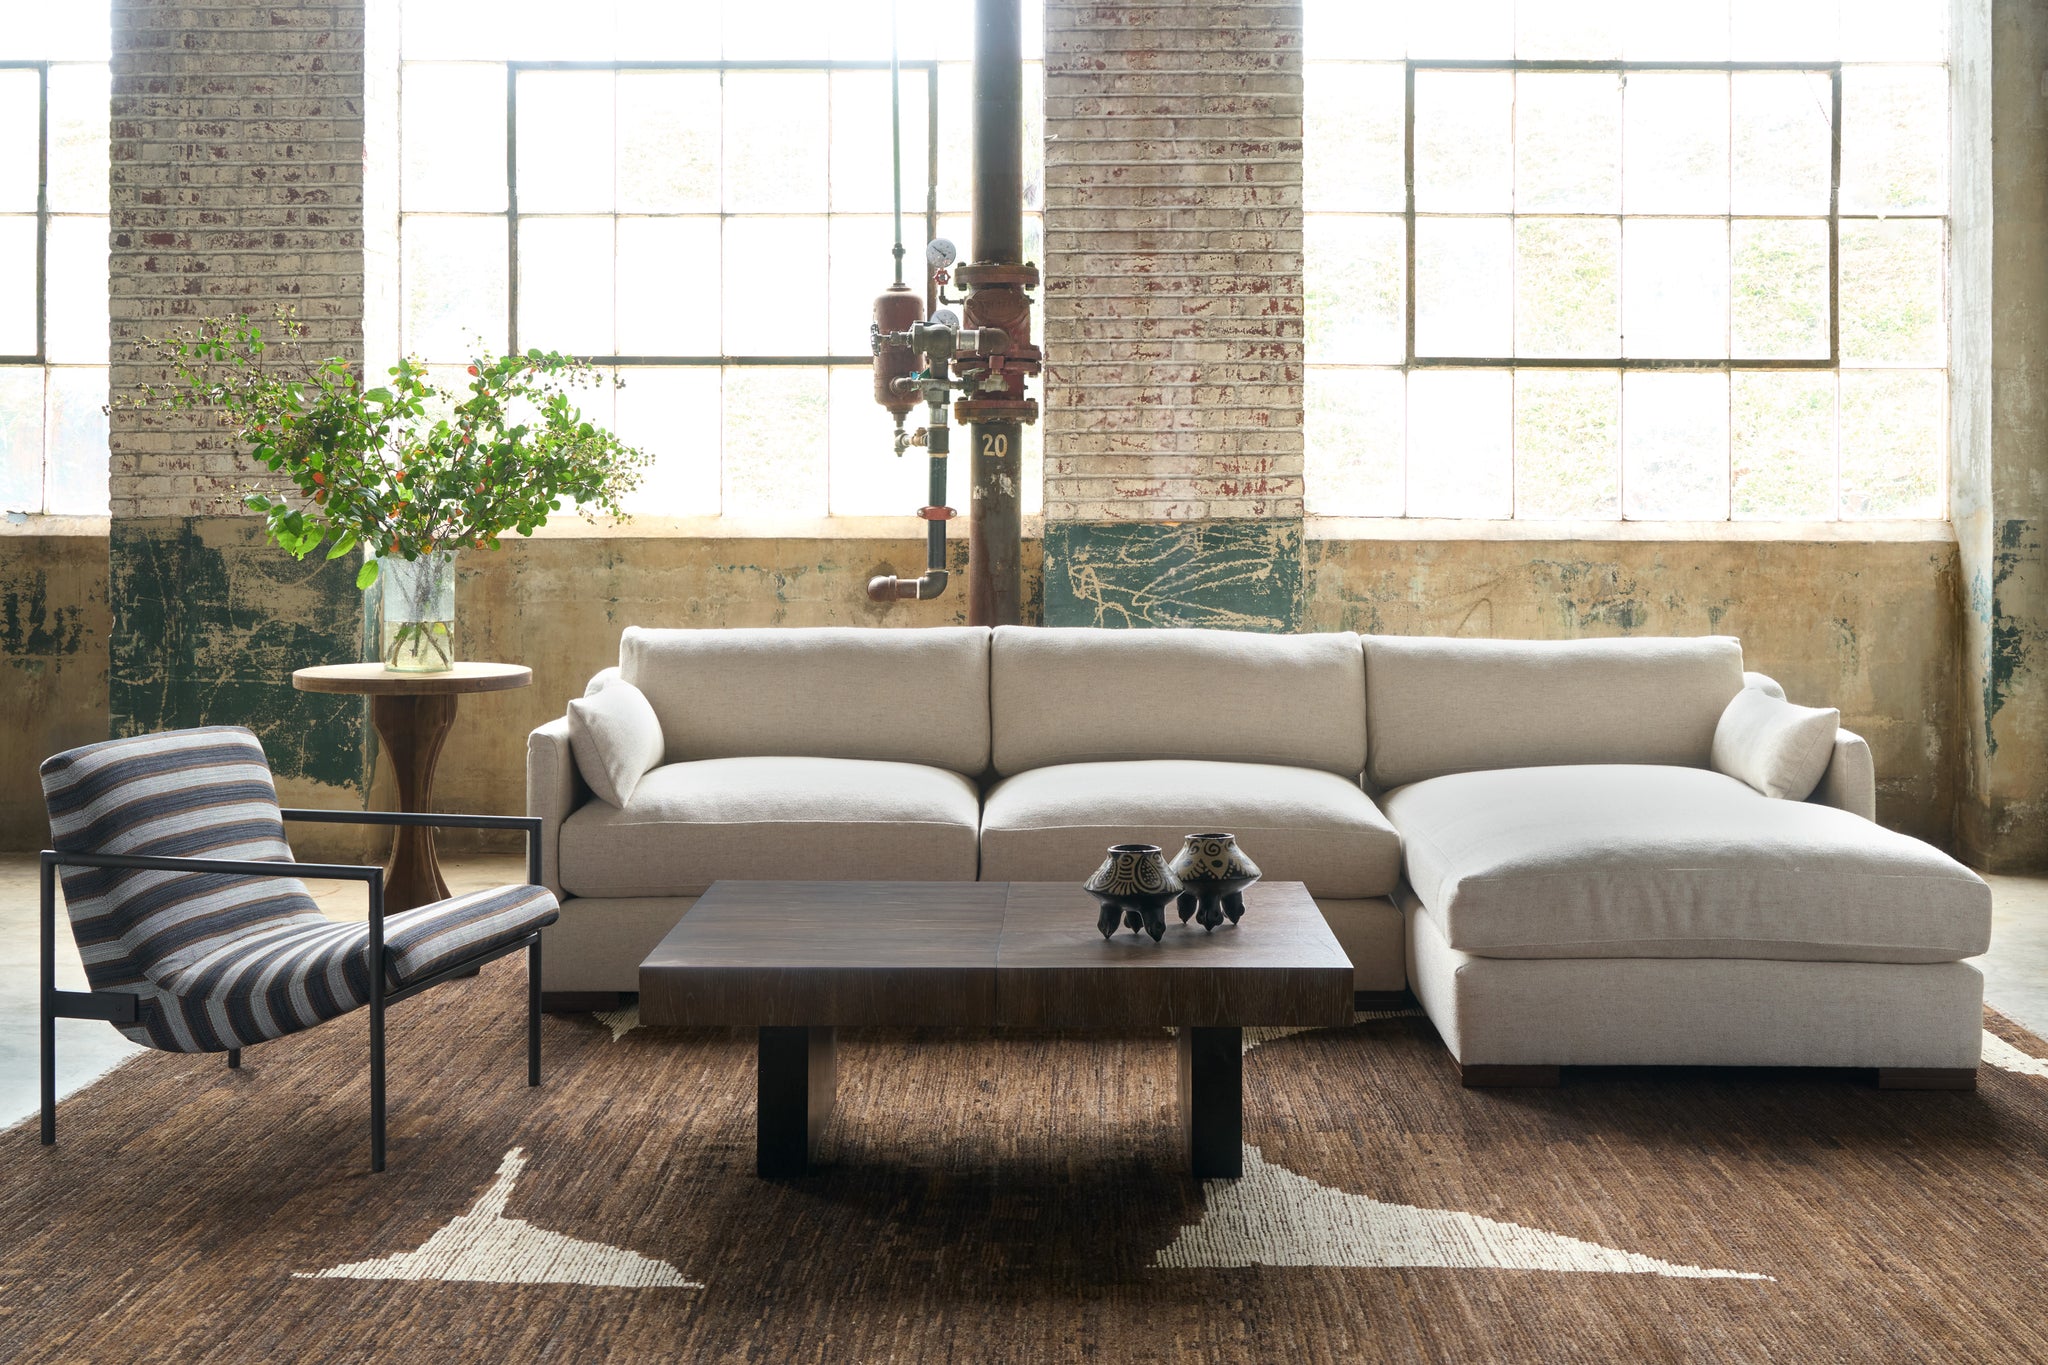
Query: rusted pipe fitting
[889,588]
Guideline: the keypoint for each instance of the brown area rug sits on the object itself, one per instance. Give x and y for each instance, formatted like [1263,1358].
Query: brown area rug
[1014,1198]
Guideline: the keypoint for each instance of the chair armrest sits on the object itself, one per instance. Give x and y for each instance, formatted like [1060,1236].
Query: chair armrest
[554,789]
[349,872]
[1850,782]
[435,819]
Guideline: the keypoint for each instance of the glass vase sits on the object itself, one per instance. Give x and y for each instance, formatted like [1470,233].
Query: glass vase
[419,612]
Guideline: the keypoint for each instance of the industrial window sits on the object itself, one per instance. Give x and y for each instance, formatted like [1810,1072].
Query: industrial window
[53,260]
[699,198]
[1574,259]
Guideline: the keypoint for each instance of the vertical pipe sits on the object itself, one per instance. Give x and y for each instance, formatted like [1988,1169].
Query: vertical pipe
[995,528]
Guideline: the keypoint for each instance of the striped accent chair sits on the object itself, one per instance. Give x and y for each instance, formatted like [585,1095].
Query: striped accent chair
[164,844]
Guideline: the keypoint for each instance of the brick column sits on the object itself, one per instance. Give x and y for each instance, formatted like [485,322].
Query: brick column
[237,185]
[1173,439]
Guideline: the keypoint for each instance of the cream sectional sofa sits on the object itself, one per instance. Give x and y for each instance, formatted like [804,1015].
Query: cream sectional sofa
[1529,835]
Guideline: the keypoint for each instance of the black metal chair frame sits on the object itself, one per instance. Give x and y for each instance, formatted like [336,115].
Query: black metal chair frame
[119,1007]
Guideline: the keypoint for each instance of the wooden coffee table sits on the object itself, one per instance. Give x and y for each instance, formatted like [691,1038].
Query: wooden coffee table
[798,960]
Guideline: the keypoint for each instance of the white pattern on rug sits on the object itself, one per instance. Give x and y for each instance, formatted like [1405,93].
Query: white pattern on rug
[484,1246]
[620,1021]
[1262,1033]
[1274,1216]
[2006,1057]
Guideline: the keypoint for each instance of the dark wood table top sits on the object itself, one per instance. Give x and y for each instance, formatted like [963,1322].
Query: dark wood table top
[1023,954]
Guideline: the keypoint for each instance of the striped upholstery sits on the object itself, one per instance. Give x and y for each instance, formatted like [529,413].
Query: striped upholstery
[219,961]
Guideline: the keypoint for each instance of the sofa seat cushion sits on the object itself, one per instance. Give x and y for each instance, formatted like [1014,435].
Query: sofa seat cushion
[1622,860]
[688,825]
[1298,824]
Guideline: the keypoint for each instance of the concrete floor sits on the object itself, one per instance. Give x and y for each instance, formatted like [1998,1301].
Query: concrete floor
[2015,970]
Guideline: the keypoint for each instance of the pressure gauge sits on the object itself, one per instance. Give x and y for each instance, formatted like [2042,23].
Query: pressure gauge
[940,254]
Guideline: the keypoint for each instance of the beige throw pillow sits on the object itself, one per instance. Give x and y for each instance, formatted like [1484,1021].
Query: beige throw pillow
[1780,749]
[616,738]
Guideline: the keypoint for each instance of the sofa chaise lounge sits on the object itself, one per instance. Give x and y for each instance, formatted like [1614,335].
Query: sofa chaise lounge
[1531,836]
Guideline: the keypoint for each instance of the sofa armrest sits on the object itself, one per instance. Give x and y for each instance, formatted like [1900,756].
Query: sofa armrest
[554,789]
[1850,782]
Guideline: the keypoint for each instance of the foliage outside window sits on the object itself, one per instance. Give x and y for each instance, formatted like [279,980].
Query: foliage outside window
[54,94]
[1639,275]
[700,200]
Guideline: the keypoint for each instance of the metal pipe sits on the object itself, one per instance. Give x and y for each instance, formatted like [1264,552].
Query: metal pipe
[995,577]
[896,136]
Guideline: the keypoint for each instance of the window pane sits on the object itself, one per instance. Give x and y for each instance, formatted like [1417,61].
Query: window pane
[58,32]
[1354,433]
[1471,29]
[452,160]
[1566,294]
[1458,443]
[776,134]
[21,438]
[1783,451]
[1674,447]
[1567,444]
[1891,292]
[774,278]
[1696,31]
[774,444]
[1675,134]
[662,30]
[1896,31]
[76,440]
[862,268]
[1034,135]
[1463,287]
[1464,136]
[1585,30]
[565,125]
[1892,446]
[668,283]
[1784,151]
[1779,307]
[673,414]
[1783,30]
[869,479]
[565,285]
[1894,139]
[454,286]
[1352,156]
[668,152]
[861,175]
[17,285]
[1675,288]
[1568,142]
[786,30]
[1355,272]
[956,141]
[1354,30]
[20,126]
[75,321]
[80,113]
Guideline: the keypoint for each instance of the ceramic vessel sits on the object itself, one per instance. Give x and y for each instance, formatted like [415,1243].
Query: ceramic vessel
[1213,873]
[1133,884]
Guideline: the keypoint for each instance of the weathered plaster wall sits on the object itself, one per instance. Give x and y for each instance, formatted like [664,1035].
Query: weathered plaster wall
[1999,502]
[1867,627]
[53,667]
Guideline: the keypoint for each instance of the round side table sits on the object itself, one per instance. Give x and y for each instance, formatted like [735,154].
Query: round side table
[412,713]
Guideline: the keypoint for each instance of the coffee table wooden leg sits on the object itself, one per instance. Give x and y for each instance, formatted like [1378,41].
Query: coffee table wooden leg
[1212,1101]
[798,1086]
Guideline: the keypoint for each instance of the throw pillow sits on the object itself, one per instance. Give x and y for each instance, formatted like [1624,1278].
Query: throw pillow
[1780,749]
[616,738]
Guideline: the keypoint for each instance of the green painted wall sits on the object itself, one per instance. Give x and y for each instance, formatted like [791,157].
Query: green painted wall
[1224,575]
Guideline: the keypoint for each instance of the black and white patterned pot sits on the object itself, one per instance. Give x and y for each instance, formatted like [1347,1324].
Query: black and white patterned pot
[1133,884]
[1213,872]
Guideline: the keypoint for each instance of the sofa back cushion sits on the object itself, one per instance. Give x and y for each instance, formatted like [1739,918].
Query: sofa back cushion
[1089,696]
[1439,706]
[905,696]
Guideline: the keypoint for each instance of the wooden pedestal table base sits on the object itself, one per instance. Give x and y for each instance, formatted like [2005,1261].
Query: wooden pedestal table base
[412,713]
